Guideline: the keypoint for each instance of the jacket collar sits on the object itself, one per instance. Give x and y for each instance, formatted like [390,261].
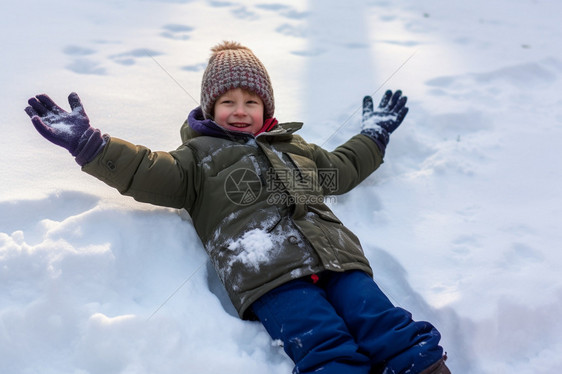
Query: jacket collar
[205,126]
[197,125]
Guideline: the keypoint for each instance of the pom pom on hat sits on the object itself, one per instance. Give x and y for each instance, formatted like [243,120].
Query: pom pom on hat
[234,66]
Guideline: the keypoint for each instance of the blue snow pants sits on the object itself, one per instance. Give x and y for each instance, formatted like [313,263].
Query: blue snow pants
[344,324]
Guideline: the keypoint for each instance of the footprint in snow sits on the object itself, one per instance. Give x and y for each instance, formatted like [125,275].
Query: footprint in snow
[195,68]
[283,10]
[292,30]
[520,75]
[313,52]
[244,13]
[130,57]
[177,31]
[220,4]
[81,64]
[86,66]
[402,43]
[76,50]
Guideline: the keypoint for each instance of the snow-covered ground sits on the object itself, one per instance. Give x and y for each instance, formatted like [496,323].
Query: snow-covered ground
[461,223]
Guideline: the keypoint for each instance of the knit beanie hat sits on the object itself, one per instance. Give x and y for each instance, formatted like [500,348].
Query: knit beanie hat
[234,66]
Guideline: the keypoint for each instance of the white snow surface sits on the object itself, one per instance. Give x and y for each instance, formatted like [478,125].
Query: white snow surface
[461,223]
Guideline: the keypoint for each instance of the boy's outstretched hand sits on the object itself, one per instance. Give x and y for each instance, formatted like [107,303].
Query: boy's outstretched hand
[70,130]
[389,115]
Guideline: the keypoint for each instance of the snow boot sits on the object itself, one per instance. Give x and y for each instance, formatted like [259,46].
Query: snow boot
[438,368]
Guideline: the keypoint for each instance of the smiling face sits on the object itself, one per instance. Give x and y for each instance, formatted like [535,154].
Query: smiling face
[239,110]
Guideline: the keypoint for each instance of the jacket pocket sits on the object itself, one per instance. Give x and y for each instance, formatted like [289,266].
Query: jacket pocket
[305,174]
[325,214]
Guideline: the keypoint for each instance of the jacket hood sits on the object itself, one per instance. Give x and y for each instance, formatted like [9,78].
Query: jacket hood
[197,125]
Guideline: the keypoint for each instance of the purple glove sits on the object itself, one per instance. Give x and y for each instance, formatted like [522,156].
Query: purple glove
[70,130]
[389,115]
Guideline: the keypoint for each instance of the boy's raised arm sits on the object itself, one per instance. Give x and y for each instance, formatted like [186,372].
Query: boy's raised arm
[356,159]
[152,177]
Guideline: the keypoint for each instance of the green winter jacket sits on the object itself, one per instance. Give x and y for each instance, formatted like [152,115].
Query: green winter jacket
[256,202]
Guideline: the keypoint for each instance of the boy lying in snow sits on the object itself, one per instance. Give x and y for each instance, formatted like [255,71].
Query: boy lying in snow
[254,190]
